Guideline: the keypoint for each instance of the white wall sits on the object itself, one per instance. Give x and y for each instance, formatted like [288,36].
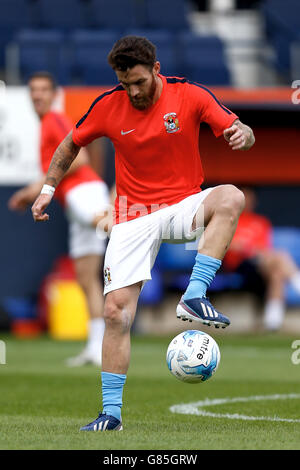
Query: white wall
[19,136]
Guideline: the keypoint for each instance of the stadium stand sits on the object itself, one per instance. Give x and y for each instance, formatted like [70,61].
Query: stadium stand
[82,57]
[168,15]
[199,57]
[203,59]
[153,291]
[42,50]
[288,238]
[117,14]
[65,15]
[88,56]
[166,47]
[10,22]
[282,24]
[72,38]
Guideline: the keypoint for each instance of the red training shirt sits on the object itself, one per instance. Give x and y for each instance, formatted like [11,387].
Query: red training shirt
[253,234]
[157,152]
[54,128]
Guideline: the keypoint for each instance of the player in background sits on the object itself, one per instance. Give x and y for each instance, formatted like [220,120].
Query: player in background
[153,122]
[251,254]
[83,195]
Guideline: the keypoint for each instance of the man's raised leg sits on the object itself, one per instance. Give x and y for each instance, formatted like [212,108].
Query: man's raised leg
[221,210]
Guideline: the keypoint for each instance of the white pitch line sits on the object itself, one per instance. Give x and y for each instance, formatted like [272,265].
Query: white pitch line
[193,408]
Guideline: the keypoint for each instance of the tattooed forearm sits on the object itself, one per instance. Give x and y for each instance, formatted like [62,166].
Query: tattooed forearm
[61,161]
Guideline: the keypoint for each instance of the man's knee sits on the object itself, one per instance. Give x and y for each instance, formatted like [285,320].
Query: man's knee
[231,201]
[277,259]
[283,257]
[225,200]
[272,265]
[117,312]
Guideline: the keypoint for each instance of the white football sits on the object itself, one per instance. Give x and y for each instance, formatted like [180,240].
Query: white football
[193,356]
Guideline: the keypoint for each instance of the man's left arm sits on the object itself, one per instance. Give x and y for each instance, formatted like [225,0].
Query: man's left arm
[239,136]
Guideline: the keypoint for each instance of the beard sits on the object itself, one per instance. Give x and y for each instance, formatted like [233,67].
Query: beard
[143,102]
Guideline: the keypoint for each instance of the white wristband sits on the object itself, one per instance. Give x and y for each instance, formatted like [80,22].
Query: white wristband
[47,189]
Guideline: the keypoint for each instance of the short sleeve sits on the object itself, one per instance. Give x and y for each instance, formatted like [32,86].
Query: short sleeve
[91,125]
[211,111]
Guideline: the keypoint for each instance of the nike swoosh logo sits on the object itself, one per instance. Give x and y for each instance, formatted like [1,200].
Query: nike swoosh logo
[127,132]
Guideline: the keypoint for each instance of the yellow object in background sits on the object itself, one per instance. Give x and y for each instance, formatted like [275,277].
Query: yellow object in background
[68,313]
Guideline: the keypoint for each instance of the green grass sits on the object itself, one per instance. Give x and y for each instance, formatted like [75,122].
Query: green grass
[43,403]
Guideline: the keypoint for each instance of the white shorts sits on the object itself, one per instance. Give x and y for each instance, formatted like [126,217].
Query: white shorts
[83,202]
[134,245]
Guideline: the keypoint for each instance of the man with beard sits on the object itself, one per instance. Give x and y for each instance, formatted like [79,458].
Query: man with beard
[153,122]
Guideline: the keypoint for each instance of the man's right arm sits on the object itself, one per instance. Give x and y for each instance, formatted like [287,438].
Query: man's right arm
[61,161]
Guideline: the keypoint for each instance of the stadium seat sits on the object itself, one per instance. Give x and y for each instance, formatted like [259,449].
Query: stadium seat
[42,50]
[175,262]
[65,15]
[177,257]
[165,44]
[203,59]
[89,56]
[166,14]
[282,25]
[153,291]
[20,307]
[116,14]
[14,14]
[288,239]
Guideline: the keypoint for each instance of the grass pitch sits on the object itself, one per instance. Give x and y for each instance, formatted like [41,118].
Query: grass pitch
[43,403]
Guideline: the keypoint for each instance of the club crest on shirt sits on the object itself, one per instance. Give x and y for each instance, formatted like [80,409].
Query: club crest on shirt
[107,276]
[171,122]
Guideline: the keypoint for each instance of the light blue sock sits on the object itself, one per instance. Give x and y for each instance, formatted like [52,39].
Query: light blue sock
[203,273]
[112,391]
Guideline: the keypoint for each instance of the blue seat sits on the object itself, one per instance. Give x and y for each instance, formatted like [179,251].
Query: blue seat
[177,257]
[14,14]
[285,15]
[89,56]
[166,50]
[116,14]
[167,14]
[65,15]
[177,262]
[153,291]
[282,25]
[203,59]
[288,239]
[42,50]
[20,307]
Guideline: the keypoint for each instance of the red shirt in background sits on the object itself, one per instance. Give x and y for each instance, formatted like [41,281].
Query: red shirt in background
[54,128]
[157,150]
[253,234]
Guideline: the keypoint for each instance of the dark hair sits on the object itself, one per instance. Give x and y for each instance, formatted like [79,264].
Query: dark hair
[130,51]
[44,74]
